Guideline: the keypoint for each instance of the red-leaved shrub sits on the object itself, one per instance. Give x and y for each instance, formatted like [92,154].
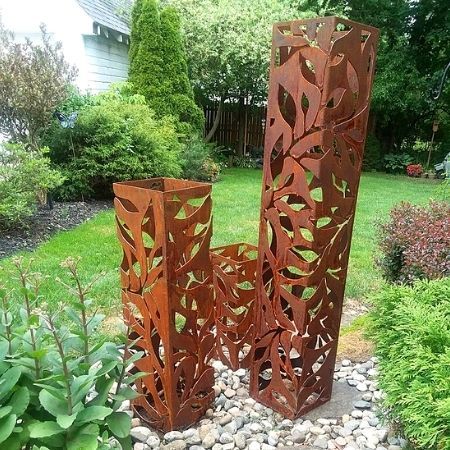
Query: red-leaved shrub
[415,242]
[414,170]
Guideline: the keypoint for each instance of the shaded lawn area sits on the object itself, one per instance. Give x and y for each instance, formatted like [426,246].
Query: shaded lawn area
[236,215]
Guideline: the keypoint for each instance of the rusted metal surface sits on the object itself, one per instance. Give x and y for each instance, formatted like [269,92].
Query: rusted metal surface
[320,83]
[164,227]
[234,271]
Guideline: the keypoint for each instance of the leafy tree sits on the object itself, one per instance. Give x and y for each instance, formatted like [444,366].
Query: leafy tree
[158,67]
[413,51]
[34,80]
[229,45]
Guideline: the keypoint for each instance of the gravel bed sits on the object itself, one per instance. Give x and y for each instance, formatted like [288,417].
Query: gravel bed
[47,222]
[236,421]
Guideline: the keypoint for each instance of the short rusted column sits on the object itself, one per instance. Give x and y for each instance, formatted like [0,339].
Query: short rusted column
[164,227]
[234,270]
[319,94]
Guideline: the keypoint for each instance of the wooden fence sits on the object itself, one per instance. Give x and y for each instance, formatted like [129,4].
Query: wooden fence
[251,118]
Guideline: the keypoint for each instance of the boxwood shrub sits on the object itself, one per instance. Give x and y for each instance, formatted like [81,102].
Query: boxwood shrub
[411,329]
[116,137]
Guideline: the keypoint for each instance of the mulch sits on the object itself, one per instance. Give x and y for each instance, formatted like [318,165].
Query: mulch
[46,222]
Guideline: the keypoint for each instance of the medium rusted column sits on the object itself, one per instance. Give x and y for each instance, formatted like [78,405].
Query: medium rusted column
[234,271]
[164,227]
[320,83]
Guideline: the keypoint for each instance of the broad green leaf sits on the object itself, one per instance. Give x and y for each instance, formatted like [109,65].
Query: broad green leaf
[93,413]
[57,393]
[20,400]
[44,429]
[8,380]
[125,443]
[5,411]
[38,354]
[119,423]
[104,369]
[95,322]
[65,421]
[125,393]
[134,377]
[7,425]
[12,443]
[81,386]
[83,442]
[53,405]
[4,347]
[103,386]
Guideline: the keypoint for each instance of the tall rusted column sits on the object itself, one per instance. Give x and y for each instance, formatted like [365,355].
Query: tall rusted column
[320,83]
[164,227]
[234,272]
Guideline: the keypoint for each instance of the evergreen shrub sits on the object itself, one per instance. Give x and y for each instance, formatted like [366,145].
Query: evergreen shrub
[411,329]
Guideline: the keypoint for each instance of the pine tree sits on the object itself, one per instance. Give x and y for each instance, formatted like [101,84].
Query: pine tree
[146,63]
[158,67]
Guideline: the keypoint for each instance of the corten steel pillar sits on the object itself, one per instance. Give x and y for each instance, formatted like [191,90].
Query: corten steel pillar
[234,272]
[320,83]
[164,227]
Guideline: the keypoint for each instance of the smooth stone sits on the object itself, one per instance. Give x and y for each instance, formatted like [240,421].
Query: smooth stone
[209,440]
[140,446]
[175,445]
[254,446]
[140,434]
[362,387]
[229,393]
[226,419]
[173,436]
[226,438]
[361,404]
[240,441]
[153,442]
[321,442]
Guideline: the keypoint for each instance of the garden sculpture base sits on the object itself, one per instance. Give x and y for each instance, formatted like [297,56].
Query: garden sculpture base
[164,227]
[319,92]
[234,271]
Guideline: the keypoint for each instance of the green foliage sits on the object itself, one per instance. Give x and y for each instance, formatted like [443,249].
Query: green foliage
[412,54]
[24,175]
[59,387]
[158,68]
[198,161]
[411,329]
[229,43]
[396,163]
[246,162]
[34,79]
[372,154]
[116,138]
[415,242]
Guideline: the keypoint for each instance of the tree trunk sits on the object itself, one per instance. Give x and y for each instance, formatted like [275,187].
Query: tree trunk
[216,122]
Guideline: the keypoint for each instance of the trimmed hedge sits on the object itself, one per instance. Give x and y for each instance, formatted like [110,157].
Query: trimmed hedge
[411,330]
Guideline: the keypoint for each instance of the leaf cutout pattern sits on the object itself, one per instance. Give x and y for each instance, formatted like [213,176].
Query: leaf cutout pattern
[319,94]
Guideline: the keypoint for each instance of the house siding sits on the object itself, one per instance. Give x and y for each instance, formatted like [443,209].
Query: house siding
[107,62]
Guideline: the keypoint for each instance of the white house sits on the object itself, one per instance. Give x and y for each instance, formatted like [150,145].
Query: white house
[94,34]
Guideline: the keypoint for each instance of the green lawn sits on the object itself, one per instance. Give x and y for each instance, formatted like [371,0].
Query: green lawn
[236,214]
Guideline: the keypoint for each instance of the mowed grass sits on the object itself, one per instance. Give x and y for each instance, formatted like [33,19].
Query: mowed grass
[236,200]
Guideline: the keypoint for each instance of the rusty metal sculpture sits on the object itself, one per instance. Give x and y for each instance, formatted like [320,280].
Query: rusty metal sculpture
[164,227]
[320,83]
[234,271]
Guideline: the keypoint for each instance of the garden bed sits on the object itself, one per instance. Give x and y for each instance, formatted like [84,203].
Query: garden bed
[47,222]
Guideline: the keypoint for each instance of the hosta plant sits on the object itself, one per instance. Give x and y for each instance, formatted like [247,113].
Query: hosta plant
[61,386]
